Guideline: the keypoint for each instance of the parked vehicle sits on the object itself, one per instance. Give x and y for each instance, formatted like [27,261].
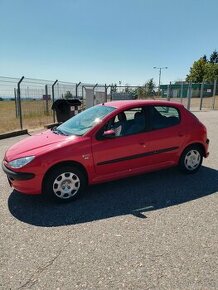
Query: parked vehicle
[106,142]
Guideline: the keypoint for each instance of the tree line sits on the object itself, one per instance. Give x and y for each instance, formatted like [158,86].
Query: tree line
[147,90]
[204,69]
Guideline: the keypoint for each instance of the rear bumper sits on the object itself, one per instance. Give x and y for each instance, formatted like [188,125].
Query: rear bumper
[206,148]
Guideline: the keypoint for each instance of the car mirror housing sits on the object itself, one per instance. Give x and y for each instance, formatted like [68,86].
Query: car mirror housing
[109,134]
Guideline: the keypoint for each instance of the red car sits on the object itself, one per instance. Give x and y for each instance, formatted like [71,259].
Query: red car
[106,142]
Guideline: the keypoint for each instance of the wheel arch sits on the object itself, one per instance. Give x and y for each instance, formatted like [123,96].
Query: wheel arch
[197,144]
[65,163]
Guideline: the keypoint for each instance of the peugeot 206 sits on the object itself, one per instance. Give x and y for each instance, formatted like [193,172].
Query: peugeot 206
[106,142]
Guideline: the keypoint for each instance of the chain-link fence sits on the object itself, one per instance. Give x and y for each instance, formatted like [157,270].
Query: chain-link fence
[194,96]
[26,103]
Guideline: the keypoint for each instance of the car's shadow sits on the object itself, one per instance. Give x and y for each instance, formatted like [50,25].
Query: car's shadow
[135,195]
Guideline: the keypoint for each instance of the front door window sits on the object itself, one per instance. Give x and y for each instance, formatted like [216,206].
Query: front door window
[128,122]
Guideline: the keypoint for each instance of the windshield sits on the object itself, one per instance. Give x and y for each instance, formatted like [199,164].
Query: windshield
[81,123]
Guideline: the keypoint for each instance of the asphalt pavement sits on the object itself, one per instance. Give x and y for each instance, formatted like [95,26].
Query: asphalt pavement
[153,231]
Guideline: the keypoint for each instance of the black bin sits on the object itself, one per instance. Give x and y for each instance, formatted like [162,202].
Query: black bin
[65,109]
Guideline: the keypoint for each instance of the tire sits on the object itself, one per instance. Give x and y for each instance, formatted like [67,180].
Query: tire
[191,159]
[65,183]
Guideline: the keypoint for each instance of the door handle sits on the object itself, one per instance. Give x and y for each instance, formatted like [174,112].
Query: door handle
[180,134]
[142,144]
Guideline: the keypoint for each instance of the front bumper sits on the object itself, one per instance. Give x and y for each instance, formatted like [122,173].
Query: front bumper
[12,175]
[25,182]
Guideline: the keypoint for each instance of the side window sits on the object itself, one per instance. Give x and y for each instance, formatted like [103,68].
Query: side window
[128,122]
[163,117]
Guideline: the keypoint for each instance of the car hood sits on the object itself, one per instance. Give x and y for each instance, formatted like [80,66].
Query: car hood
[37,143]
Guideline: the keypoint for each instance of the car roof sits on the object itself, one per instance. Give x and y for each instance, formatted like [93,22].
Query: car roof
[132,103]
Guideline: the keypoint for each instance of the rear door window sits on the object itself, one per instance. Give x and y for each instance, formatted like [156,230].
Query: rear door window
[163,117]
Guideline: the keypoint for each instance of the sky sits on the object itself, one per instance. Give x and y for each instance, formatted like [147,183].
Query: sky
[105,41]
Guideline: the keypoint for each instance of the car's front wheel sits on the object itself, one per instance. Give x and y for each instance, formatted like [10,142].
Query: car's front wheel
[191,159]
[65,183]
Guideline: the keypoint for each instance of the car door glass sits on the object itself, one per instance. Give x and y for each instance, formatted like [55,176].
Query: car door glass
[128,122]
[164,117]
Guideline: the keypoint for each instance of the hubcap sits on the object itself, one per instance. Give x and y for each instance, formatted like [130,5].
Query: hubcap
[66,185]
[192,159]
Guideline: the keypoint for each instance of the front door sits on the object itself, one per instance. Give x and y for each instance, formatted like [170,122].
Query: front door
[127,151]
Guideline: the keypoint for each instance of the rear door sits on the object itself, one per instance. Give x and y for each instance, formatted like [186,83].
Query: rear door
[166,134]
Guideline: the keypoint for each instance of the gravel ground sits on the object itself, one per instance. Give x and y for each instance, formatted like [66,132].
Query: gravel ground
[154,231]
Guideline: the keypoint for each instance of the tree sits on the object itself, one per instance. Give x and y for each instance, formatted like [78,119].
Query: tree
[141,92]
[145,91]
[113,88]
[211,72]
[150,86]
[205,58]
[127,89]
[204,69]
[197,71]
[68,95]
[214,57]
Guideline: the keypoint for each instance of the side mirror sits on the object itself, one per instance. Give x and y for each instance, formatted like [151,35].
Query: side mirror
[109,134]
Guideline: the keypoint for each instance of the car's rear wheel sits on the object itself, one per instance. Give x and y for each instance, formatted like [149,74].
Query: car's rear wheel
[65,183]
[191,159]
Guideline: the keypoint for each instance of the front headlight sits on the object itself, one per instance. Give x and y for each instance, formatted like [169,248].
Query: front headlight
[18,163]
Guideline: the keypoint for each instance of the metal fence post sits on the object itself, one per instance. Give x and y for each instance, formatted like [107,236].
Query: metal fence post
[84,97]
[95,86]
[110,92]
[52,87]
[19,103]
[77,85]
[169,92]
[83,92]
[189,96]
[181,92]
[214,93]
[106,88]
[46,99]
[15,100]
[201,95]
[105,93]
